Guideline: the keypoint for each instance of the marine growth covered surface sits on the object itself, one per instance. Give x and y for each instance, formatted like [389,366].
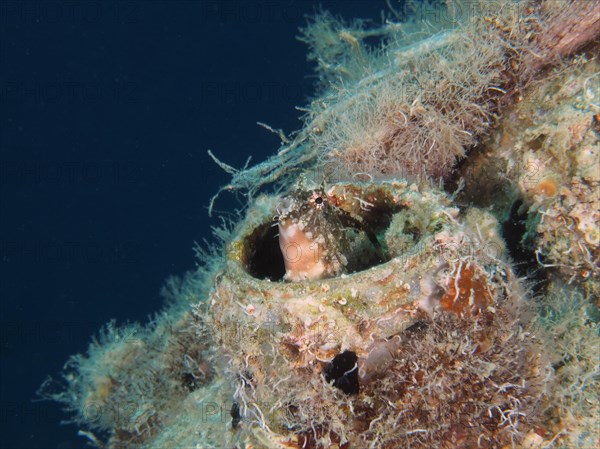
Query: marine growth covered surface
[418,266]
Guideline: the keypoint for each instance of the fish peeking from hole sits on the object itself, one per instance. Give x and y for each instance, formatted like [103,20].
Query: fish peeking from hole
[311,236]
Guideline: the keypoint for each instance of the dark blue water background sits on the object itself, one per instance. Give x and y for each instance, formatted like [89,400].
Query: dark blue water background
[107,110]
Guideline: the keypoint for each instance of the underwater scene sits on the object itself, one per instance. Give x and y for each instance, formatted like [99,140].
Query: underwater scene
[416,265]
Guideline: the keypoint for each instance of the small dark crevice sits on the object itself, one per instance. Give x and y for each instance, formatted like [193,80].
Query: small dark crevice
[236,417]
[561,363]
[342,371]
[520,249]
[190,382]
[265,260]
[417,328]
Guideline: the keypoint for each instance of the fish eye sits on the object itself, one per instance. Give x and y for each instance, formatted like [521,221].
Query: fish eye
[318,200]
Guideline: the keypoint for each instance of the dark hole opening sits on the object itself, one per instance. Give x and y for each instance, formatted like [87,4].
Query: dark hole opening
[521,251]
[190,382]
[236,416]
[343,372]
[264,260]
